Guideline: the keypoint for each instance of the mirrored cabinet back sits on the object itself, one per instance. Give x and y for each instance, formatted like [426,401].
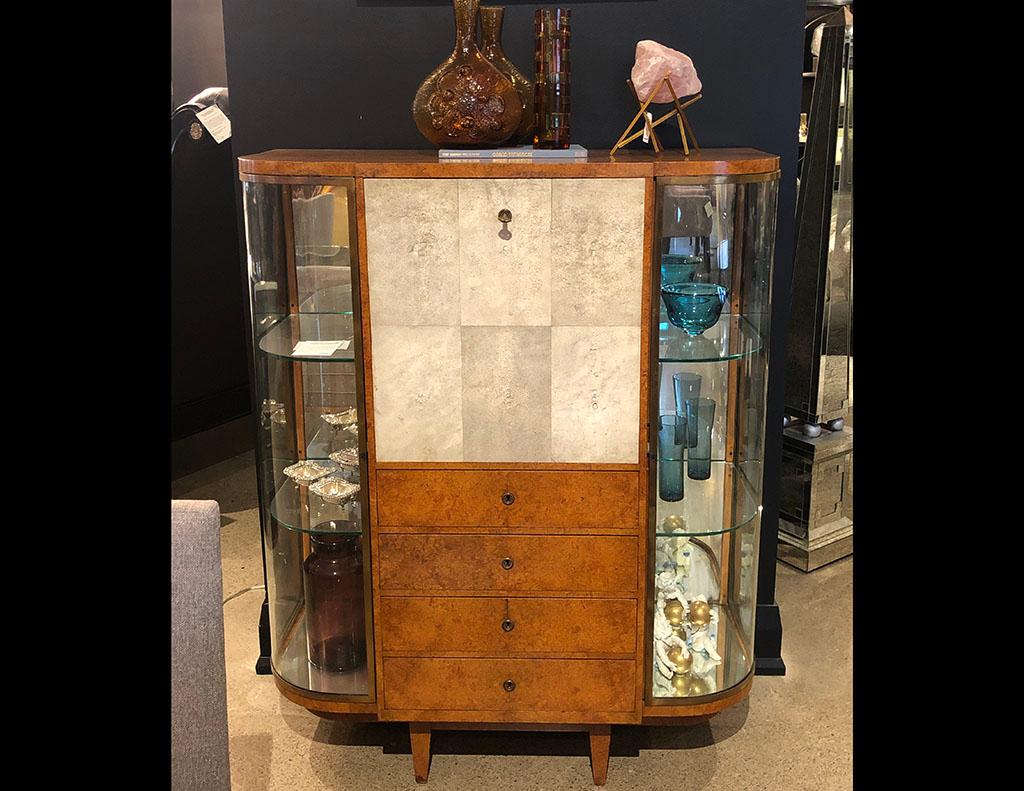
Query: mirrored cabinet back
[511,434]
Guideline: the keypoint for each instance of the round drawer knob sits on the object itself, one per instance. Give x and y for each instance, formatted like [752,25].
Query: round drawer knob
[506,563]
[504,217]
[508,498]
[509,685]
[508,624]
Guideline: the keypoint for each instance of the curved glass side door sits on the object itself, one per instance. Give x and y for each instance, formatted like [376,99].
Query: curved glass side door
[714,239]
[311,454]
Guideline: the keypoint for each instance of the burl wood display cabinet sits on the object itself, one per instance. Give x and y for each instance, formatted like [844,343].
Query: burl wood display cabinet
[500,487]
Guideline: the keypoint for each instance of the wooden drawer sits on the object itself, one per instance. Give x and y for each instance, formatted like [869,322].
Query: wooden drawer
[541,685]
[535,564]
[539,498]
[498,626]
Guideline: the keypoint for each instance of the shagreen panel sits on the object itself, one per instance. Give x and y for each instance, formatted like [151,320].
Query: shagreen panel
[597,250]
[412,251]
[417,387]
[595,394]
[506,393]
[505,281]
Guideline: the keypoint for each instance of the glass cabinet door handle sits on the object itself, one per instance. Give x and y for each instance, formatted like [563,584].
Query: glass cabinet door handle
[509,685]
[506,563]
[508,624]
[508,498]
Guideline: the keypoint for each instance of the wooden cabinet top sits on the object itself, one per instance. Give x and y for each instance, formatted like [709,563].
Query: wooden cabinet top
[290,162]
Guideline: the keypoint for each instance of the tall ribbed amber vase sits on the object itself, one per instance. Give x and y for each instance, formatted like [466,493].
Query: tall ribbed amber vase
[551,87]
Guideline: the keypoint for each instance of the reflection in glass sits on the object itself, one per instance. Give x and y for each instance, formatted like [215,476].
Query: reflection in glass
[671,442]
[701,413]
[679,268]
[320,218]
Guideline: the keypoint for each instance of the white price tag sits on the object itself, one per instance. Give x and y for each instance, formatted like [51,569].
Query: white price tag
[708,210]
[647,127]
[318,348]
[216,123]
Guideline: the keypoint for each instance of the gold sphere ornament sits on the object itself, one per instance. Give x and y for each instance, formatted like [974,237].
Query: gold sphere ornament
[676,657]
[698,686]
[687,686]
[674,612]
[674,523]
[700,613]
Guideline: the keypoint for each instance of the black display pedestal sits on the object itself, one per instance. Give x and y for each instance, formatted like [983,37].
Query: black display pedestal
[768,642]
[263,667]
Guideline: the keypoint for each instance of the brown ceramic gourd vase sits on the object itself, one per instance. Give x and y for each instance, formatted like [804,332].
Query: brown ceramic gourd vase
[467,101]
[491,18]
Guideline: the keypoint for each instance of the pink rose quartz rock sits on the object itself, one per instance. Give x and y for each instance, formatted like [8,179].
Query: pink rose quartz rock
[654,61]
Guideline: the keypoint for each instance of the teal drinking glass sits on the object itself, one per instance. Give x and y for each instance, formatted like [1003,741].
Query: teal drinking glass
[671,442]
[701,413]
[687,387]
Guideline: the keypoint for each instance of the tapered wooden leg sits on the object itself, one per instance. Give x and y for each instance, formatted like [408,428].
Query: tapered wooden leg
[419,735]
[600,741]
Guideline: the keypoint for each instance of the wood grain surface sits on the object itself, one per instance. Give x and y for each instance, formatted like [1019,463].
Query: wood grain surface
[470,626]
[573,499]
[367,163]
[541,685]
[587,565]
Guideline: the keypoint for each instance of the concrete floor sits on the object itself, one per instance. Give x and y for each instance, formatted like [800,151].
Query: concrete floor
[793,732]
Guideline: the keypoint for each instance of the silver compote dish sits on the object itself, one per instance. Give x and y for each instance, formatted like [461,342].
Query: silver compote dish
[342,419]
[346,458]
[335,490]
[306,471]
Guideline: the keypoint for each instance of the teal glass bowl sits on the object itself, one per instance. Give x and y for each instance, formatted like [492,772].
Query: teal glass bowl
[679,268]
[694,307]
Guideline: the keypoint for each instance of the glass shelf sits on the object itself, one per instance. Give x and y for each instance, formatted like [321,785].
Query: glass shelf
[294,506]
[293,665]
[732,338]
[281,338]
[702,508]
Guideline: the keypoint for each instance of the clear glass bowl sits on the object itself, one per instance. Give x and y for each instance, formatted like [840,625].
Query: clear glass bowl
[694,307]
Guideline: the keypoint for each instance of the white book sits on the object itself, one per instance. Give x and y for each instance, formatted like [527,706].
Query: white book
[573,152]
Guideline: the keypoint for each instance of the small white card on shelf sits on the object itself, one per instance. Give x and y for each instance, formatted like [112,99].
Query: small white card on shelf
[318,348]
[216,123]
